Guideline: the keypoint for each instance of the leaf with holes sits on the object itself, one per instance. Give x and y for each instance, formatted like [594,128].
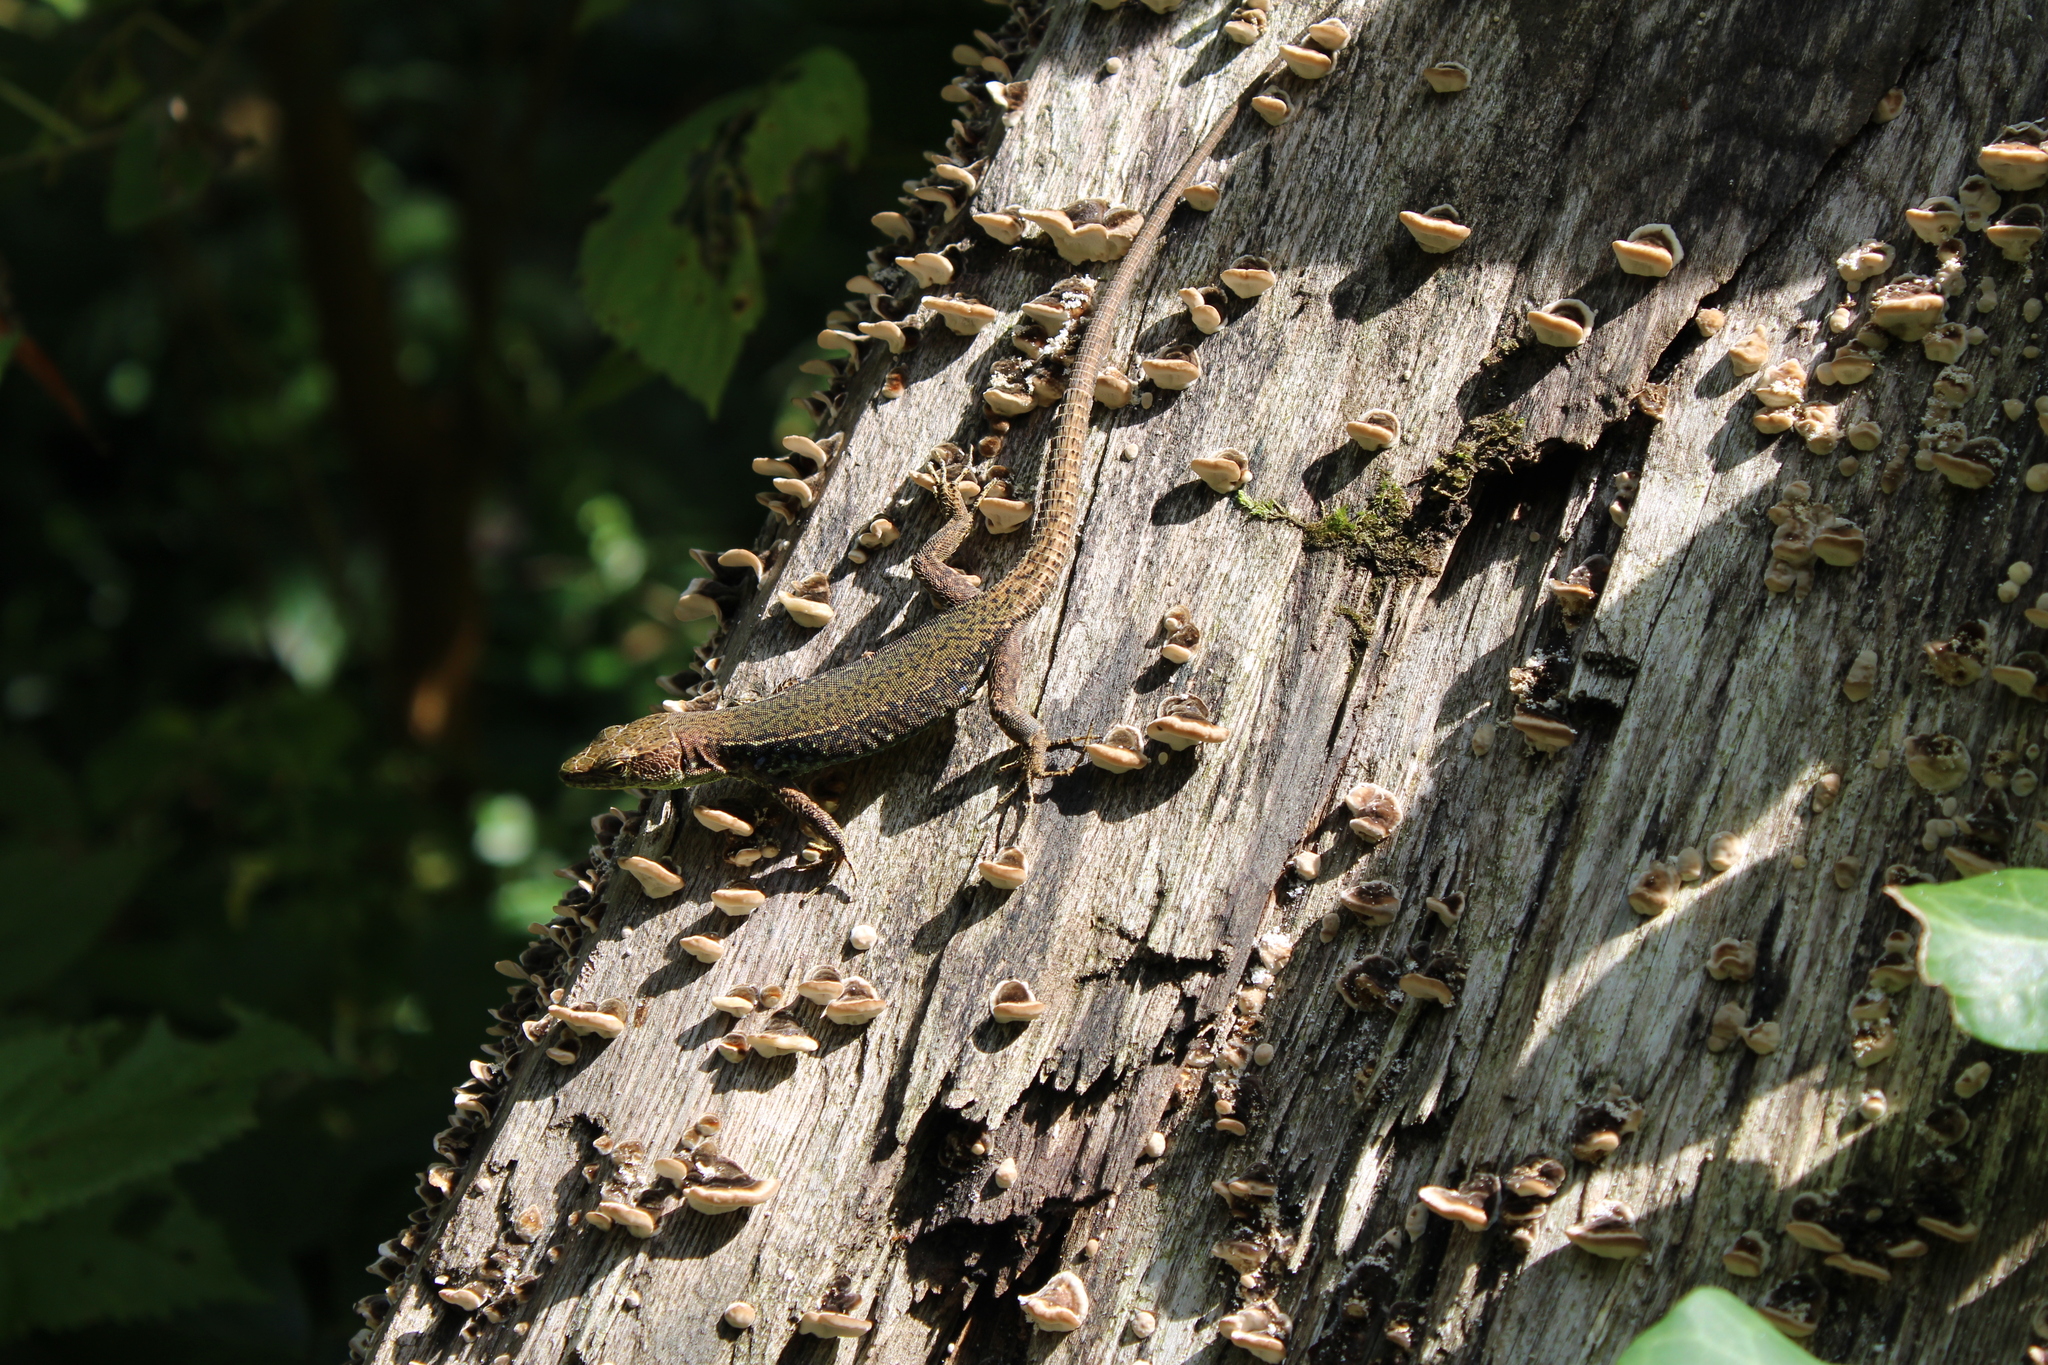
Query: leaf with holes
[673,270]
[1984,940]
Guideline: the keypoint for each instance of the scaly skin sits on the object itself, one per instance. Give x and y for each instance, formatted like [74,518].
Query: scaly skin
[866,706]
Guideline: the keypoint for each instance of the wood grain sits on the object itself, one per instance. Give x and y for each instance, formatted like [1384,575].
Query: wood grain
[1704,704]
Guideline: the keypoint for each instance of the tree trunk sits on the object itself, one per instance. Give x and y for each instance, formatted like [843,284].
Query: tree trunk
[1161,920]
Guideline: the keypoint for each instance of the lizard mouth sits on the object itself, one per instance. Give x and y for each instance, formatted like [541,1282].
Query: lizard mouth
[587,771]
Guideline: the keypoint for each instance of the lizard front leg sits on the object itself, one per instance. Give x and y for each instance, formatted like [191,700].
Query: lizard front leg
[804,808]
[948,585]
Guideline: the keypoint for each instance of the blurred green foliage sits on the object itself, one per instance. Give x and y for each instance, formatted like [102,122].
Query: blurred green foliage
[253,895]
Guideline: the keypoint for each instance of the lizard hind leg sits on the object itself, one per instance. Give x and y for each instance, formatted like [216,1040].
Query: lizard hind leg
[1005,672]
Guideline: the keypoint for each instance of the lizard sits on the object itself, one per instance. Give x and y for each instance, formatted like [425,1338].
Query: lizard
[872,703]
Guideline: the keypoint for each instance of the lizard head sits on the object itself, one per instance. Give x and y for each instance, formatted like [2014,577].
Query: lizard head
[655,753]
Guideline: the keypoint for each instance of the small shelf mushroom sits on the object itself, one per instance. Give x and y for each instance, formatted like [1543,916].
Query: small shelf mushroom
[1013,1003]
[1436,230]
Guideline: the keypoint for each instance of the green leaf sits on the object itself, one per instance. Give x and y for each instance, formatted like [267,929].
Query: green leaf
[591,13]
[672,271]
[817,107]
[1712,1327]
[97,883]
[1985,941]
[76,1122]
[140,1253]
[158,169]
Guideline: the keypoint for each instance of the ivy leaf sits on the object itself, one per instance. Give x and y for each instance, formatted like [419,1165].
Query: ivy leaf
[673,272]
[140,1253]
[77,1122]
[158,169]
[1712,1327]
[1985,941]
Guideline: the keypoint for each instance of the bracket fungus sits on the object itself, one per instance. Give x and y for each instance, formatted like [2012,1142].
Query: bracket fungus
[1447,78]
[1652,249]
[1747,1257]
[1374,902]
[1652,892]
[2017,160]
[1565,323]
[1437,980]
[1308,63]
[1374,980]
[2017,233]
[1183,721]
[1609,1232]
[704,947]
[1260,1329]
[716,1184]
[1087,230]
[857,1003]
[1012,1002]
[1973,464]
[1935,220]
[1249,276]
[1748,355]
[1225,472]
[1861,678]
[1475,1203]
[1908,308]
[1576,593]
[655,880]
[1376,430]
[1060,1305]
[1436,230]
[1183,636]
[1376,812]
[781,1035]
[1864,262]
[738,901]
[1006,871]
[1598,1128]
[1174,369]
[1272,109]
[606,1019]
[1794,1307]
[1961,659]
[1546,734]
[1120,750]
[1202,309]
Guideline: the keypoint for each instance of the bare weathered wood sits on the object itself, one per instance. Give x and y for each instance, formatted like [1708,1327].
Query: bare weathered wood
[1704,704]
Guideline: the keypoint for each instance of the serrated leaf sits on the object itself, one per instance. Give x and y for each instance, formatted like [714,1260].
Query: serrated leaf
[137,1254]
[1984,940]
[77,1122]
[672,272]
[158,169]
[1712,1327]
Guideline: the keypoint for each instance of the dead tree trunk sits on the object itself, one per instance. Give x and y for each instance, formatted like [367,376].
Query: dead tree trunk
[1181,957]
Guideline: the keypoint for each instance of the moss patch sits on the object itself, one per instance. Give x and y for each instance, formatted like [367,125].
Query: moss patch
[1389,535]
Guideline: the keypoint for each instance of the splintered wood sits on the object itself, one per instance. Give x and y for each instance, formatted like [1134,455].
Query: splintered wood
[1177,1086]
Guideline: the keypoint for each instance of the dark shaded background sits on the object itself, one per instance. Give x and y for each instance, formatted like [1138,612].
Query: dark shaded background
[353,536]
